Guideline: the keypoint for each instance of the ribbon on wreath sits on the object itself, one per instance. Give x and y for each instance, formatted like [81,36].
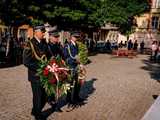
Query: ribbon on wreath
[54,68]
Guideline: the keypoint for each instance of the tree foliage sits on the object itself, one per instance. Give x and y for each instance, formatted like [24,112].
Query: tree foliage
[122,12]
[67,13]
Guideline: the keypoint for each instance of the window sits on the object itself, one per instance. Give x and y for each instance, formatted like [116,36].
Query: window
[155,20]
[155,3]
[158,4]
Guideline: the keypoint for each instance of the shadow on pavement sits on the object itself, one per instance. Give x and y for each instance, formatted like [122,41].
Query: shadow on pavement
[153,69]
[86,90]
[92,53]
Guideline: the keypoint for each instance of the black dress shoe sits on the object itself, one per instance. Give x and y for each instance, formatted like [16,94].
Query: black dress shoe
[80,99]
[52,104]
[33,113]
[51,100]
[40,117]
[57,109]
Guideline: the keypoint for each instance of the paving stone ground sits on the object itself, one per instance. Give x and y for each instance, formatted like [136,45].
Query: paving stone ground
[115,89]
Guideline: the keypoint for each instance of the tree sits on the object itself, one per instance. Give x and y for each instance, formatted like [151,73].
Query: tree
[122,13]
[12,12]
[73,13]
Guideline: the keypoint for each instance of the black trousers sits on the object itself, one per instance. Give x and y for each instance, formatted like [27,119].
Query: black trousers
[2,57]
[73,94]
[39,98]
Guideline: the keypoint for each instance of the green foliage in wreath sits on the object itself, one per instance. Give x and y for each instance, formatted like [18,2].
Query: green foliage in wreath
[83,53]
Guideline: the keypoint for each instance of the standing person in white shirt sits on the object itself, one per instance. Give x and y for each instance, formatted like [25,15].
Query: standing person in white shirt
[158,53]
[154,48]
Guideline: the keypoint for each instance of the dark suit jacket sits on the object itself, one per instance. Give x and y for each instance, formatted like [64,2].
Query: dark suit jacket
[30,61]
[55,50]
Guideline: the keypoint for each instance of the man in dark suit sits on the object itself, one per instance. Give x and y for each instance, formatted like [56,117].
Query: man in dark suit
[31,60]
[72,59]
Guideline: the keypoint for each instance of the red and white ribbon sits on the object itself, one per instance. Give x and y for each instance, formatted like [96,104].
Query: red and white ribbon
[55,69]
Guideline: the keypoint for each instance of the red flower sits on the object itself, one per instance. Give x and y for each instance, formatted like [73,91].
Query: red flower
[53,81]
[63,62]
[46,71]
[52,62]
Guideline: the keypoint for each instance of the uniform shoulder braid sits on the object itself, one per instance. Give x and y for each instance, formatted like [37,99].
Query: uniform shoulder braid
[41,57]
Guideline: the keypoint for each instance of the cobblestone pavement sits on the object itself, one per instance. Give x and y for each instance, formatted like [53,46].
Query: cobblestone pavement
[115,89]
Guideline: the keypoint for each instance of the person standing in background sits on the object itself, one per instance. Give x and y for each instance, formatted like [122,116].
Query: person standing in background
[142,47]
[135,45]
[154,48]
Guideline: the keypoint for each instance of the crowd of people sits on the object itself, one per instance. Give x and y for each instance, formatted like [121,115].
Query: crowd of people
[11,50]
[129,45]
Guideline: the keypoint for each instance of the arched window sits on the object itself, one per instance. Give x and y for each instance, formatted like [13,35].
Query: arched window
[155,22]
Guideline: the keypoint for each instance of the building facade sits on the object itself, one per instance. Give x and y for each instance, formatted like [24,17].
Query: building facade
[148,24]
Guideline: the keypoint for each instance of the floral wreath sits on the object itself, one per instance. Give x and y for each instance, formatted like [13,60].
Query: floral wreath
[54,76]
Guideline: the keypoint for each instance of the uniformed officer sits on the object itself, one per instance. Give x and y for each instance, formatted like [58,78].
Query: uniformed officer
[72,59]
[55,50]
[54,46]
[34,49]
